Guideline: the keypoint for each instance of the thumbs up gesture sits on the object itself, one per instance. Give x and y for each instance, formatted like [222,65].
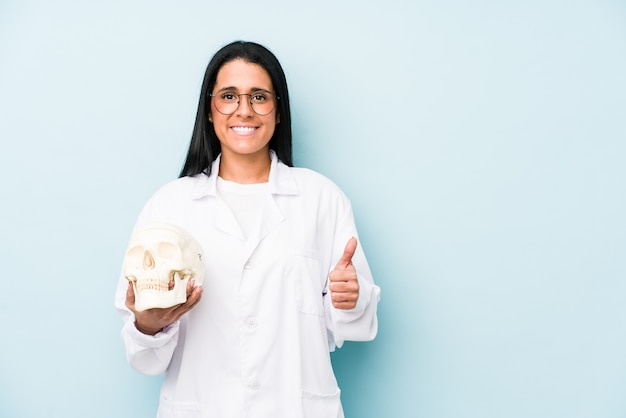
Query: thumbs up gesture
[344,286]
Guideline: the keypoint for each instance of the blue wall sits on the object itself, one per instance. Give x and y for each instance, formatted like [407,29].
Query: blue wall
[482,144]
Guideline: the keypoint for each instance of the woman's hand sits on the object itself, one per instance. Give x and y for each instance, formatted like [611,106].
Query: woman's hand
[154,320]
[344,286]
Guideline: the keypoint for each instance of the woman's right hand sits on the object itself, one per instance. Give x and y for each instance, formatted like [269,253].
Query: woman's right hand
[152,321]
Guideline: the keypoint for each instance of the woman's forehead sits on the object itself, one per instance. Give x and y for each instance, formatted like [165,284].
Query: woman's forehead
[242,75]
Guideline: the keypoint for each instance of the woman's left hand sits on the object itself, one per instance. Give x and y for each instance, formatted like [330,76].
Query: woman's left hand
[344,286]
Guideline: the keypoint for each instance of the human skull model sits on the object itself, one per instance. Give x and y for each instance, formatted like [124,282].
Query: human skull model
[160,260]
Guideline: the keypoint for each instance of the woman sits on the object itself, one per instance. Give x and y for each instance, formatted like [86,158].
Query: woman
[285,280]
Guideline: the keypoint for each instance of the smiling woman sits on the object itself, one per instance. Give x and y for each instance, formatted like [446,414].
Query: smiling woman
[285,281]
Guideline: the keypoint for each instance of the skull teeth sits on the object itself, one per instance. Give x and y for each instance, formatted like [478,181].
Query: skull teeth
[155,284]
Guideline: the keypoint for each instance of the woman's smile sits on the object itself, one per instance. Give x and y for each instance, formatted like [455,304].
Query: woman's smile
[244,130]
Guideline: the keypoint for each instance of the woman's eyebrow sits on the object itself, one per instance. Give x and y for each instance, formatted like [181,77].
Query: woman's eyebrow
[228,88]
[252,89]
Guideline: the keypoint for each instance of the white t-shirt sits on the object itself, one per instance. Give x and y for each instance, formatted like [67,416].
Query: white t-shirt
[244,200]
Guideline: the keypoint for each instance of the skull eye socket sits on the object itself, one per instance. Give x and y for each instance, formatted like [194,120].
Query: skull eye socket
[136,252]
[166,250]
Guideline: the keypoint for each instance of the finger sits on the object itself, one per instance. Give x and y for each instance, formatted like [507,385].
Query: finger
[344,300]
[348,253]
[196,298]
[343,274]
[130,297]
[344,296]
[190,285]
[191,301]
[341,286]
[344,305]
[195,295]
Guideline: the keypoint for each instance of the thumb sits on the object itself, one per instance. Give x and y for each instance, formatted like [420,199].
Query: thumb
[348,253]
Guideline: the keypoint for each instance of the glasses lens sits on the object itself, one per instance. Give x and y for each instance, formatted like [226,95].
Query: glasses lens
[226,103]
[262,102]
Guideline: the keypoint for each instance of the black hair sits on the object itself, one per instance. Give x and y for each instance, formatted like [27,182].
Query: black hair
[204,146]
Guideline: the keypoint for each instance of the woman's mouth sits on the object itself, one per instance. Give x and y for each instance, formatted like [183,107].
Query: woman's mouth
[243,130]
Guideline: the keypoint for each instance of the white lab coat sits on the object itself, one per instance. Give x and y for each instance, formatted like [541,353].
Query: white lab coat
[257,345]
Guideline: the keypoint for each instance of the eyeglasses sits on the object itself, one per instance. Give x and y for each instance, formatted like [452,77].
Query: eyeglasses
[262,102]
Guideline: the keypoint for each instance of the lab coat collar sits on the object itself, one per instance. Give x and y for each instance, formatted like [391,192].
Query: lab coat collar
[281,180]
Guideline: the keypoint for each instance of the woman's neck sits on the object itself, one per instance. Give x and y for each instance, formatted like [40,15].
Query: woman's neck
[248,169]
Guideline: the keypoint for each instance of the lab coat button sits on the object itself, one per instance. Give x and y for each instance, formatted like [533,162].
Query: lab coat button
[254,385]
[252,322]
[249,264]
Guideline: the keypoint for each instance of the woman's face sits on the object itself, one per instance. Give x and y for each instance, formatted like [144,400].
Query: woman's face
[244,132]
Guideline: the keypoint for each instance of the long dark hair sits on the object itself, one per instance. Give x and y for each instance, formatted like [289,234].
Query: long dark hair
[204,146]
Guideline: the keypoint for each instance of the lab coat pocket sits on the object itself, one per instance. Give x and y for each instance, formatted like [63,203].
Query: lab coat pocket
[306,267]
[317,405]
[171,409]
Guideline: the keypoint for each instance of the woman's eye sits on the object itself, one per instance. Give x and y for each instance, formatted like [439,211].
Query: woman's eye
[228,96]
[259,97]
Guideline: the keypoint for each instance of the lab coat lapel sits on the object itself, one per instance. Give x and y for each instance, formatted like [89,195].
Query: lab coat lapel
[270,218]
[225,221]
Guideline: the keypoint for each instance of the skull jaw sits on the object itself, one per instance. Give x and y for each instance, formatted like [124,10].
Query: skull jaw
[149,299]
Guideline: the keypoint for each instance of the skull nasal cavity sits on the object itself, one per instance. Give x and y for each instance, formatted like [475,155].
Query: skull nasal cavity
[148,260]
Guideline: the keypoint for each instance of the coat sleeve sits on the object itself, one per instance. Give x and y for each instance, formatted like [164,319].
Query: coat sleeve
[150,355]
[361,322]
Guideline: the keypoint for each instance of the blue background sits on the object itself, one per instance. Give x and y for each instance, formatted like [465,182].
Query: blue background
[481,142]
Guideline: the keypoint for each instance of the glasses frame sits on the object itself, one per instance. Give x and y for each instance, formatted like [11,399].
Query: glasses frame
[249,101]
